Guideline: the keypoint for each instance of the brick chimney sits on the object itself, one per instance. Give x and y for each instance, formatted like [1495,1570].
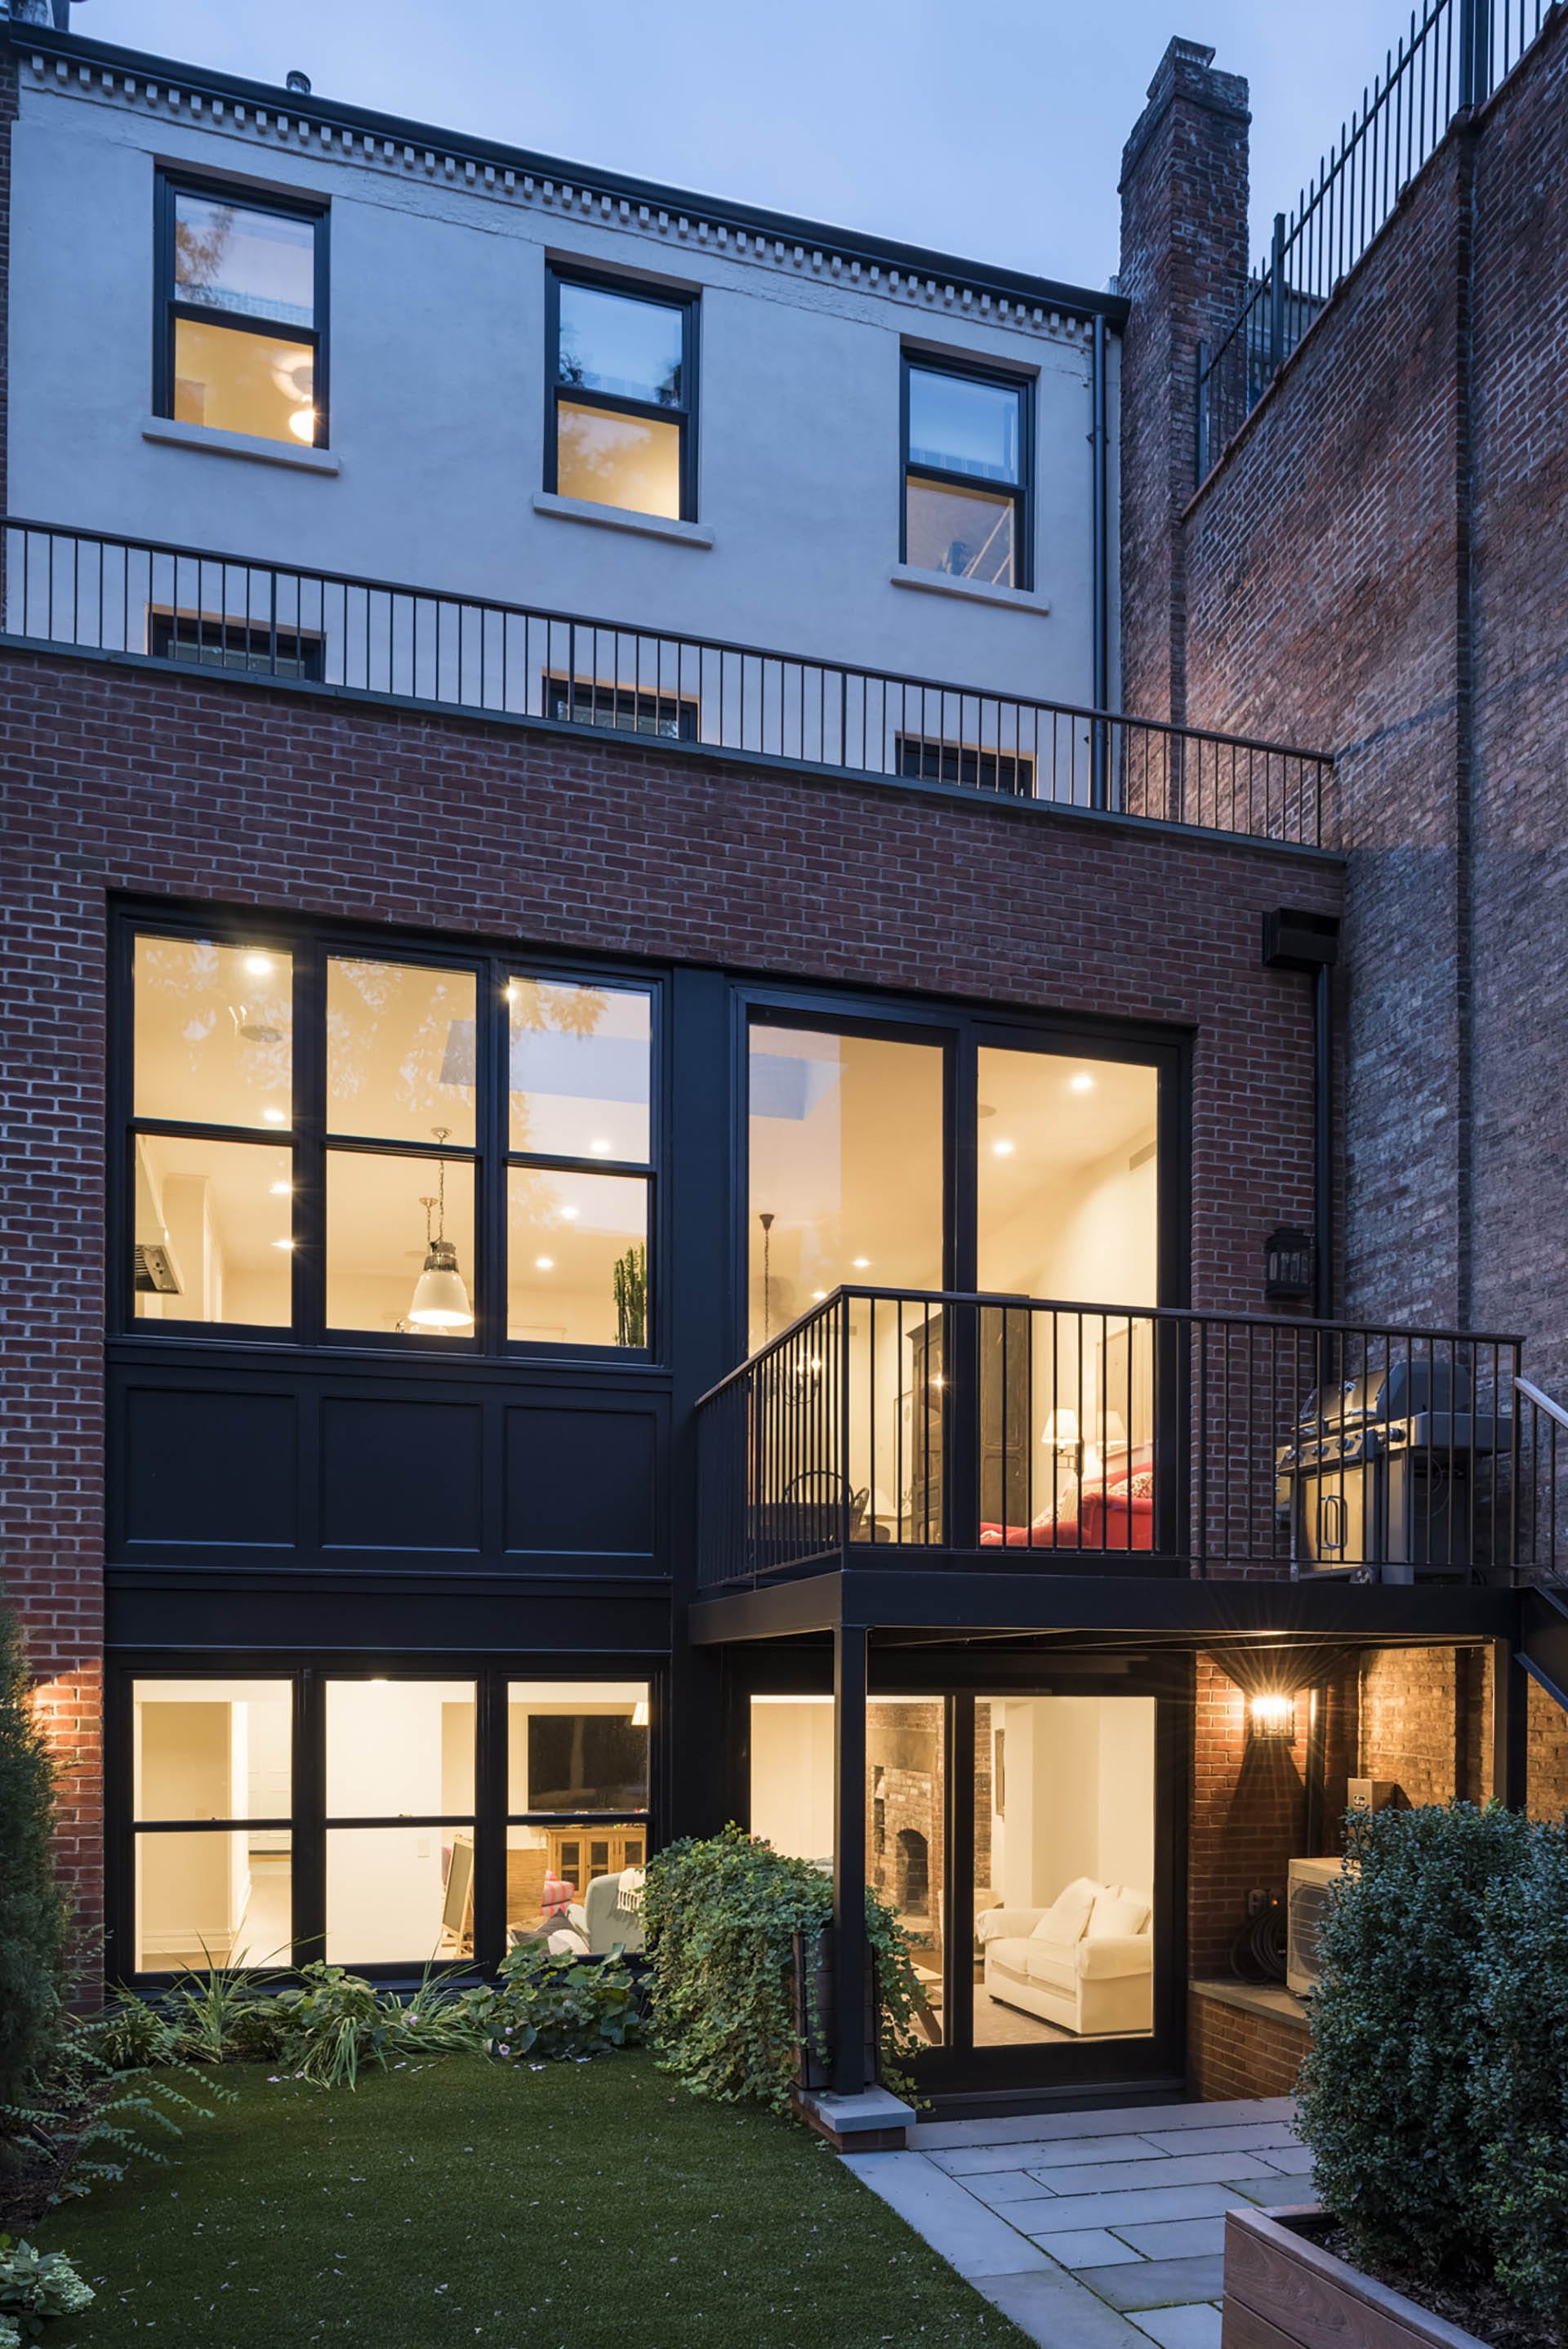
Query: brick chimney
[1183,272]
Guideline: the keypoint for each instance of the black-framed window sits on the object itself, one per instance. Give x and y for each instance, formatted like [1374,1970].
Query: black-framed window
[255,647]
[621,421]
[1010,773]
[967,435]
[274,1816]
[330,1139]
[240,337]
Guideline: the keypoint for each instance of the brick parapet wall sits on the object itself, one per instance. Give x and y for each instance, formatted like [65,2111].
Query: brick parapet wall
[115,779]
[1233,2052]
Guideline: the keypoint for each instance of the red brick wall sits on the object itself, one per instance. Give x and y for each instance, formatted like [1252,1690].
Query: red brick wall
[1248,1817]
[1232,2052]
[1547,1756]
[117,780]
[1378,566]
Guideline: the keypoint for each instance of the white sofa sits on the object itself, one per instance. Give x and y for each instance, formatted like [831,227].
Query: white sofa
[1087,1963]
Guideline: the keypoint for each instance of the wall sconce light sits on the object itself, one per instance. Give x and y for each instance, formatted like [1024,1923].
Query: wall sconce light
[1272,1717]
[1287,1263]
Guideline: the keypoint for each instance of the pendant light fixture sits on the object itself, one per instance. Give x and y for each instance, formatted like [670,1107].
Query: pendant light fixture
[440,1299]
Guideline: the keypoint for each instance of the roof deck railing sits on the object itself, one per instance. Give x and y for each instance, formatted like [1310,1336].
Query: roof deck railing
[92,591]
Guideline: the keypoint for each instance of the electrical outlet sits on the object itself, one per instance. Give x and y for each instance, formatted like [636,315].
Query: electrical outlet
[1257,1901]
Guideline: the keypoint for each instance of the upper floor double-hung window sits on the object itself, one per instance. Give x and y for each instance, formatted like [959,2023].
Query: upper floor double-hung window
[621,429]
[966,474]
[241,339]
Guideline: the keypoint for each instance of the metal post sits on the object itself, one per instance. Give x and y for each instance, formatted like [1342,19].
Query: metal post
[848,1858]
[1510,1726]
[1098,796]
[1276,298]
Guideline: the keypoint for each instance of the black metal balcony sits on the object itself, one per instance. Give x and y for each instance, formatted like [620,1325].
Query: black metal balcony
[935,1428]
[186,608]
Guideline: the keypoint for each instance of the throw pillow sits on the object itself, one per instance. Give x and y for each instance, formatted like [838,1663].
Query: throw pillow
[1117,1912]
[1068,1915]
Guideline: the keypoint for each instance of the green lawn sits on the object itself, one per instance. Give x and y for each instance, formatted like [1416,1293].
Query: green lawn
[584,2206]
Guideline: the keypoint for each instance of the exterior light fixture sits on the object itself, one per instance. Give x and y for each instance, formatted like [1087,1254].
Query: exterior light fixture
[640,1713]
[1287,1263]
[1272,1715]
[440,1299]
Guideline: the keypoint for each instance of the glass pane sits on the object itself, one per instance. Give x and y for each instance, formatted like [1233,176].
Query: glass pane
[577,1259]
[906,1790]
[847,1160]
[212,1231]
[792,1776]
[211,1749]
[399,1050]
[577,1745]
[262,264]
[1064,1868]
[964,533]
[400,1749]
[212,1900]
[1067,1178]
[213,1032]
[241,382]
[616,343]
[399,1895]
[963,426]
[381,1216]
[577,1888]
[618,460]
[580,1068]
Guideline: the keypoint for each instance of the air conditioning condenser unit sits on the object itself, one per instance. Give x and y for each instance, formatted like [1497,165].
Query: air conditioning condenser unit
[1306,1896]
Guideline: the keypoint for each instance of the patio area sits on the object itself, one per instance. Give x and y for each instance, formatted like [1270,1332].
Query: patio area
[1096,2231]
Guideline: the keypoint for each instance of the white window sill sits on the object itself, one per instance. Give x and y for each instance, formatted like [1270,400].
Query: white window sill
[969,591]
[293,454]
[683,533]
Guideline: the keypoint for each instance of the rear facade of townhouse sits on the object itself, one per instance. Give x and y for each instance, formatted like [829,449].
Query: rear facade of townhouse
[660,1171]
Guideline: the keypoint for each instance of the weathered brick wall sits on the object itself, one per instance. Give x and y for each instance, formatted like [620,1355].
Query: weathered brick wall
[117,780]
[1248,1818]
[1546,1756]
[1233,2052]
[1411,1709]
[1376,565]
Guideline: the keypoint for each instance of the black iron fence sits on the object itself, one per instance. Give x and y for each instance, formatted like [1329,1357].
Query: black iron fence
[900,1427]
[1454,56]
[1542,1504]
[87,590]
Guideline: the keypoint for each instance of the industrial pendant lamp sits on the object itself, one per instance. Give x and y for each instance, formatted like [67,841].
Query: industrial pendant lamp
[440,1299]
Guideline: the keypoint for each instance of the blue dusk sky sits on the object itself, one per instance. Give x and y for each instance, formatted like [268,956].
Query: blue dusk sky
[990,129]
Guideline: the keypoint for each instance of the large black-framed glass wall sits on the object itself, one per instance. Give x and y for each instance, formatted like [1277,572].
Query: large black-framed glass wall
[341,1142]
[383,1818]
[1024,1817]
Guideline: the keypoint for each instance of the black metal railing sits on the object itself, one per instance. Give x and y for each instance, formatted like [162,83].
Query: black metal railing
[1542,1484]
[901,1427]
[1456,53]
[87,590]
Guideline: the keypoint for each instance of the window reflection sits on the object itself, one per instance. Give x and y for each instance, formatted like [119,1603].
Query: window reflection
[963,532]
[212,1231]
[577,1259]
[213,1032]
[580,1074]
[616,343]
[618,460]
[400,1051]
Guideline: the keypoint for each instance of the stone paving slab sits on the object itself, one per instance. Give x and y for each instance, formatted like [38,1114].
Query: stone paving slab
[1197,2327]
[1058,2312]
[1003,2187]
[1170,2169]
[1177,2238]
[1064,2152]
[1249,2137]
[1157,2283]
[1128,2209]
[1088,2246]
[1294,2160]
[1127,2120]
[969,2237]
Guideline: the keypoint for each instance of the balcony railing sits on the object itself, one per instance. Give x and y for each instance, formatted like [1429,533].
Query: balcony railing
[88,591]
[943,1429]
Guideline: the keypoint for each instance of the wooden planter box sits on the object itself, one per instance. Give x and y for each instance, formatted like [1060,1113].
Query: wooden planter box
[1282,2292]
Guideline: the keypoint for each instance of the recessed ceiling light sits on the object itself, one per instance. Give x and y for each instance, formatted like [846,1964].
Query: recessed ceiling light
[1083,1082]
[544,1264]
[282,1244]
[1001,1150]
[818,1295]
[600,1148]
[510,990]
[863,1264]
[570,1214]
[275,1116]
[281,1190]
[259,965]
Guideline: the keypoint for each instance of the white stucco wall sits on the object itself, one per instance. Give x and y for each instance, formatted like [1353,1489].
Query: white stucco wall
[436,358]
